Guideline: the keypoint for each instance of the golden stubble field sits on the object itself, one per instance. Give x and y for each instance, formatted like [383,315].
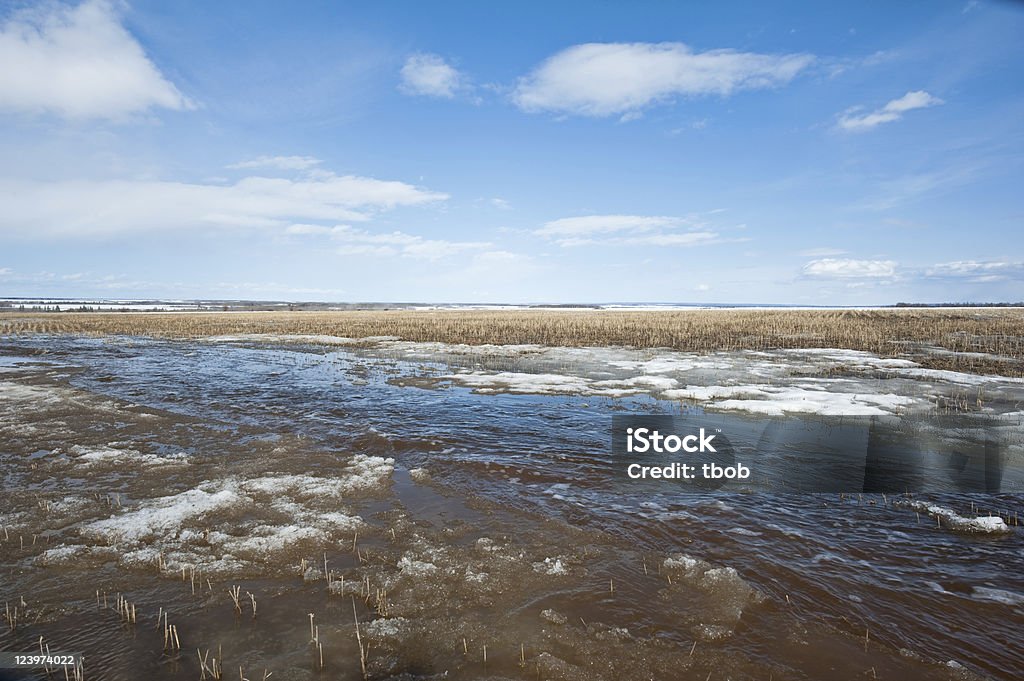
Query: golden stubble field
[982,340]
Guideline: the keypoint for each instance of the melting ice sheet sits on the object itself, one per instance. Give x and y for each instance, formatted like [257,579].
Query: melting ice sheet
[813,381]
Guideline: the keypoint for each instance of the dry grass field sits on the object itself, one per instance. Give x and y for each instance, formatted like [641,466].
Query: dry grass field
[974,340]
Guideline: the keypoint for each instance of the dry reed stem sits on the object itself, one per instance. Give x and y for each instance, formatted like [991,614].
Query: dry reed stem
[359,638]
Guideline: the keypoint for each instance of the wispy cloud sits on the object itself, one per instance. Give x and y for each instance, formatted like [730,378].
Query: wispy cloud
[605,79]
[977,272]
[851,121]
[845,268]
[603,224]
[79,62]
[353,241]
[278,162]
[627,230]
[83,209]
[430,75]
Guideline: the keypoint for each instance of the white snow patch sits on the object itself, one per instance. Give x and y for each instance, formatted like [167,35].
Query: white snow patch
[112,456]
[775,400]
[514,382]
[957,522]
[162,516]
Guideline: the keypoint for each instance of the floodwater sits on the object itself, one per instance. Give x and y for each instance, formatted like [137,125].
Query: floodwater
[462,504]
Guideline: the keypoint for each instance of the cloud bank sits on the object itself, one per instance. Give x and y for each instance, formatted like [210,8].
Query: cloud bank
[625,230]
[975,272]
[79,62]
[86,208]
[845,268]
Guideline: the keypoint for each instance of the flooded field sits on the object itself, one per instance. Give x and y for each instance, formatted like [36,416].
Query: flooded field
[315,507]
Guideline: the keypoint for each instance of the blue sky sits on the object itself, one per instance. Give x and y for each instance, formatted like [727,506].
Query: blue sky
[481,152]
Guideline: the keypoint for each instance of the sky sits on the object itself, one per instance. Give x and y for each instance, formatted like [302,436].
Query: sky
[782,153]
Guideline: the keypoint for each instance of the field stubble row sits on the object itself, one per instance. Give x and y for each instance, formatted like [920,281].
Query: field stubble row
[973,340]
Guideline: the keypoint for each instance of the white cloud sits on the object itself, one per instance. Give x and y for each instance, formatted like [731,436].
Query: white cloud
[431,75]
[106,208]
[603,224]
[893,111]
[626,230]
[977,272]
[354,241]
[278,162]
[79,62]
[604,79]
[842,268]
[676,239]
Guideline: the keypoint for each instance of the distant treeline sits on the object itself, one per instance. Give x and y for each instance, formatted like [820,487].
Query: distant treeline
[1020,304]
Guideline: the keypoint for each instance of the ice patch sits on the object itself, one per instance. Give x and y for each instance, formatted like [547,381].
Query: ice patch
[955,521]
[553,616]
[725,592]
[513,382]
[265,540]
[233,524]
[985,593]
[777,400]
[682,562]
[422,475]
[551,566]
[363,473]
[368,473]
[162,516]
[111,456]
[75,554]
[313,339]
[411,567]
[391,627]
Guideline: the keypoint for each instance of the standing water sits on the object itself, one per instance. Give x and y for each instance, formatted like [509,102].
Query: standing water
[319,508]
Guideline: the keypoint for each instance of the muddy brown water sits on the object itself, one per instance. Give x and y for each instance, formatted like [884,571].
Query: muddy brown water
[451,523]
